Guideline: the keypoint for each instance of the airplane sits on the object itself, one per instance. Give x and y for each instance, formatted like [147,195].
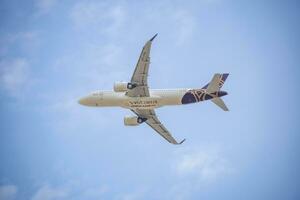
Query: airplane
[136,96]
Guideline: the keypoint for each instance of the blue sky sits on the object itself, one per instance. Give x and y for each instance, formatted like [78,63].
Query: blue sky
[53,52]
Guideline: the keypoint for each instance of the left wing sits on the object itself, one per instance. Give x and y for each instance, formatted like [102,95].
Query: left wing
[140,74]
[154,123]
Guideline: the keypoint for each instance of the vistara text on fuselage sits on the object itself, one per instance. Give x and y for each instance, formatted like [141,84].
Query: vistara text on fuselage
[136,96]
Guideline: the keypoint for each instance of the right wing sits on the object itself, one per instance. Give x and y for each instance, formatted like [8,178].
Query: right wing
[154,123]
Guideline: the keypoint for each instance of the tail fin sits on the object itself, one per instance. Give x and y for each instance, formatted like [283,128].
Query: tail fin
[216,83]
[219,102]
[214,86]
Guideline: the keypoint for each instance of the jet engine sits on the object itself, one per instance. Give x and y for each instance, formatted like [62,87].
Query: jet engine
[123,86]
[133,120]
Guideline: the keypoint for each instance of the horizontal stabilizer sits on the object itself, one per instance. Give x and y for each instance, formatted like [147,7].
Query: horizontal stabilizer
[219,102]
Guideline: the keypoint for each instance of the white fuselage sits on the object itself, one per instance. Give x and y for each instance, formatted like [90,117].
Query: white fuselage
[157,98]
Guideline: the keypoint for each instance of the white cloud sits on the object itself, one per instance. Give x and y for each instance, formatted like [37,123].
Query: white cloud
[94,193]
[118,19]
[185,26]
[8,192]
[26,35]
[71,190]
[109,55]
[204,165]
[14,75]
[26,41]
[135,195]
[44,6]
[50,193]
[98,16]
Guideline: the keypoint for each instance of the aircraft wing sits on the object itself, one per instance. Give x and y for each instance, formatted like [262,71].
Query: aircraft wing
[154,123]
[140,74]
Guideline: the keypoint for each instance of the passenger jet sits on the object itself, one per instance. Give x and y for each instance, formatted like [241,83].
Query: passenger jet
[136,96]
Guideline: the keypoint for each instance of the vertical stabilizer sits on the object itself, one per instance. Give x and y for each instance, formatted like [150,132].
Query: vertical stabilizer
[213,86]
[216,83]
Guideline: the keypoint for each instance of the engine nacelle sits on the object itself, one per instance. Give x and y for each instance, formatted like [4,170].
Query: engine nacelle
[123,86]
[133,120]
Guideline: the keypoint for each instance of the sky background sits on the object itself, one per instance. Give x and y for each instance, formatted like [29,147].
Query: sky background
[54,52]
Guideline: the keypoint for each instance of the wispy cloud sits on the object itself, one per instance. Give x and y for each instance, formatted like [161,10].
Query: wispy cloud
[120,19]
[185,26]
[205,165]
[26,35]
[44,6]
[95,192]
[50,193]
[14,75]
[8,192]
[72,190]
[25,41]
[135,195]
[98,16]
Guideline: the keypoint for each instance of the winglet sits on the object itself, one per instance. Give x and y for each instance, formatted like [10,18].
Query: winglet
[181,141]
[153,37]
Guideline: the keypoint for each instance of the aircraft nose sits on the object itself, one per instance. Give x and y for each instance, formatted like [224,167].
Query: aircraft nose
[83,101]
